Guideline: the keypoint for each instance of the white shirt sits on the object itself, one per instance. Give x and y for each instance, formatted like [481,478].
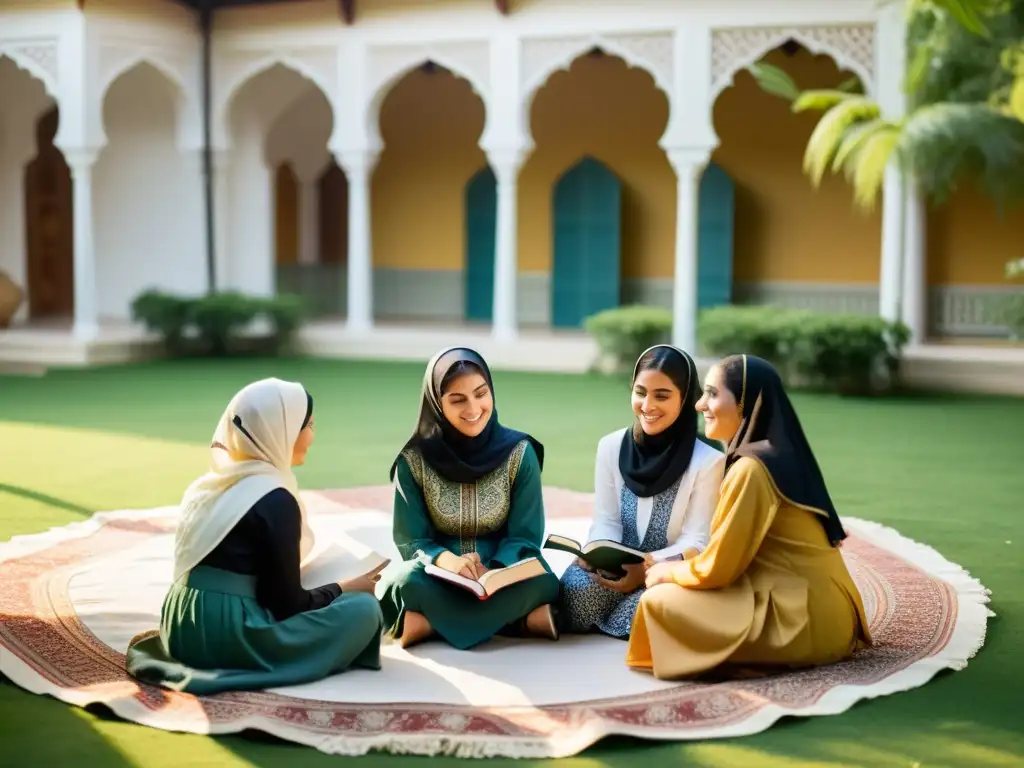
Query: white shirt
[692,511]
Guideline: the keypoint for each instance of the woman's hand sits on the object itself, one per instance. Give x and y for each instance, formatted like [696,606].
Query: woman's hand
[365,583]
[659,573]
[649,561]
[584,565]
[633,580]
[464,566]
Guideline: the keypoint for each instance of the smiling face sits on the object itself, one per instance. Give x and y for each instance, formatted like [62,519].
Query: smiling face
[302,444]
[656,401]
[719,407]
[467,403]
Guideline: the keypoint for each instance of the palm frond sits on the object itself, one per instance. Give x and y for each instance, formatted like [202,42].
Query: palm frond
[852,141]
[821,100]
[774,80]
[969,14]
[870,162]
[828,134]
[942,141]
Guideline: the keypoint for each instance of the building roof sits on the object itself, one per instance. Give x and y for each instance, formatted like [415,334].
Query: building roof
[346,7]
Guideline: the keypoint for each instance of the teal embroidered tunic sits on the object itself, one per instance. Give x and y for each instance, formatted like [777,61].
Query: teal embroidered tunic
[500,517]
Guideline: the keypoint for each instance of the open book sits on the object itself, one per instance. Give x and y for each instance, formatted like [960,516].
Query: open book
[602,555]
[492,581]
[334,563]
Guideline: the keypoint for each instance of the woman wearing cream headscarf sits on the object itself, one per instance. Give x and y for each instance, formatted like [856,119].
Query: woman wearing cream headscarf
[236,616]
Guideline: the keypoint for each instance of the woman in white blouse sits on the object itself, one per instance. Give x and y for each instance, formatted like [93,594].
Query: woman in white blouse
[655,490]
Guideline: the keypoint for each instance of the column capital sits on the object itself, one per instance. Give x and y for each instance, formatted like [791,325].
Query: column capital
[506,161]
[688,161]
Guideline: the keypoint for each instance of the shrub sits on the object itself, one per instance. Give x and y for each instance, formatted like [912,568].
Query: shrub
[285,312]
[164,314]
[623,333]
[849,354]
[218,317]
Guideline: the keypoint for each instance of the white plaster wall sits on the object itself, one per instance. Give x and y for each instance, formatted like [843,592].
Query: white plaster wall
[148,197]
[273,95]
[23,100]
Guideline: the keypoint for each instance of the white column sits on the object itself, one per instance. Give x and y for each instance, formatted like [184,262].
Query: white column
[221,219]
[689,165]
[891,271]
[81,162]
[309,222]
[915,267]
[506,164]
[358,167]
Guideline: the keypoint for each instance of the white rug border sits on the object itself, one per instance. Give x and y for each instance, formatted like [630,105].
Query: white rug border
[967,638]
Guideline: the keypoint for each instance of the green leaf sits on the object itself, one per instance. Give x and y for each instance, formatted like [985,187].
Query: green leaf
[969,14]
[822,99]
[775,81]
[828,134]
[871,161]
[851,143]
[853,85]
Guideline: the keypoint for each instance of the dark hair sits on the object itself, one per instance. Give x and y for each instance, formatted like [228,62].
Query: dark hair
[732,372]
[461,368]
[309,411]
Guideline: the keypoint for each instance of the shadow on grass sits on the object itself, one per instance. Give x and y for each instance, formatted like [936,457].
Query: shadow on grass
[44,498]
[39,730]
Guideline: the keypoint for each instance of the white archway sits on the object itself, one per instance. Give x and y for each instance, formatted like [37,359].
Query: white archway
[148,195]
[29,250]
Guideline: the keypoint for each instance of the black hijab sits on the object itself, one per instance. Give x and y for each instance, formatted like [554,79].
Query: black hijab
[651,464]
[451,454]
[771,433]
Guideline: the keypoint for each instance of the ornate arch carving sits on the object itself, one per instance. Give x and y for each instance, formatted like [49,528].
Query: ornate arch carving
[851,47]
[318,65]
[39,59]
[542,57]
[116,59]
[387,64]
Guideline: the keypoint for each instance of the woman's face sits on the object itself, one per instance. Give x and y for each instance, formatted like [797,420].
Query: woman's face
[467,403]
[656,401]
[719,408]
[302,444]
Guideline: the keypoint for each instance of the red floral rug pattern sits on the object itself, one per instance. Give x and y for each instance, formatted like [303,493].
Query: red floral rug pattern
[913,617]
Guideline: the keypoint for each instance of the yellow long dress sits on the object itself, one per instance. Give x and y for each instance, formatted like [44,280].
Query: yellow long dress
[769,589]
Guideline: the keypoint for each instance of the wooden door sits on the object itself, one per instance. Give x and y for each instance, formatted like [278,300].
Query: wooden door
[586,274]
[481,231]
[49,211]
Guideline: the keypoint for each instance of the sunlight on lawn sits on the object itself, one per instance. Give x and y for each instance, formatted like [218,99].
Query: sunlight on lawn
[49,472]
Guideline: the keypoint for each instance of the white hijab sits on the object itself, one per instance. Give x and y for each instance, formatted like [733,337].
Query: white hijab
[251,456]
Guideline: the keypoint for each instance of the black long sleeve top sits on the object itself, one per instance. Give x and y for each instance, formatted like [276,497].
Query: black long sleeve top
[265,544]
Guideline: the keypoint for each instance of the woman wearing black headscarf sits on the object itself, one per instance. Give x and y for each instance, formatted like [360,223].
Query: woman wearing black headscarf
[772,587]
[655,489]
[468,500]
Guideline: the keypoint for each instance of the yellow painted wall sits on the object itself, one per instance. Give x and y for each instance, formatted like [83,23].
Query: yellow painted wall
[286,215]
[786,230]
[430,124]
[601,107]
[969,241]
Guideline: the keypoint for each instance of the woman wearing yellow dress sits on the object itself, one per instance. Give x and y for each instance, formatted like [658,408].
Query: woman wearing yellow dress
[771,587]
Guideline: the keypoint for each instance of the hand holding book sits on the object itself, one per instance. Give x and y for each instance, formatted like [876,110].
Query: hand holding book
[468,565]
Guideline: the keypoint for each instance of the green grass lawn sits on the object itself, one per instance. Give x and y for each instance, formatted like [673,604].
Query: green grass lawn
[945,471]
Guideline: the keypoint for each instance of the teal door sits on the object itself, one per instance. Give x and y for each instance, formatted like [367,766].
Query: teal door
[586,274]
[717,205]
[481,229]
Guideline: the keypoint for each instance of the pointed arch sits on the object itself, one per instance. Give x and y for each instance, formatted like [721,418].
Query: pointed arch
[32,67]
[844,46]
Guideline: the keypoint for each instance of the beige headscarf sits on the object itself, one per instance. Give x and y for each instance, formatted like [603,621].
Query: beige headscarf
[251,456]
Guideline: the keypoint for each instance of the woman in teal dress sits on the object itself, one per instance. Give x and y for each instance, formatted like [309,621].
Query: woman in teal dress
[467,499]
[237,616]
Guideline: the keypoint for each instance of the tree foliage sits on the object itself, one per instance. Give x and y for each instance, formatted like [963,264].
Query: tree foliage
[965,118]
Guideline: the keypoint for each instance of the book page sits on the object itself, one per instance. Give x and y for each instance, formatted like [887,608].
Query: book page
[445,575]
[333,563]
[494,580]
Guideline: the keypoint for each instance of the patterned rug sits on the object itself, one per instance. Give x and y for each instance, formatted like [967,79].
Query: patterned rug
[72,598]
